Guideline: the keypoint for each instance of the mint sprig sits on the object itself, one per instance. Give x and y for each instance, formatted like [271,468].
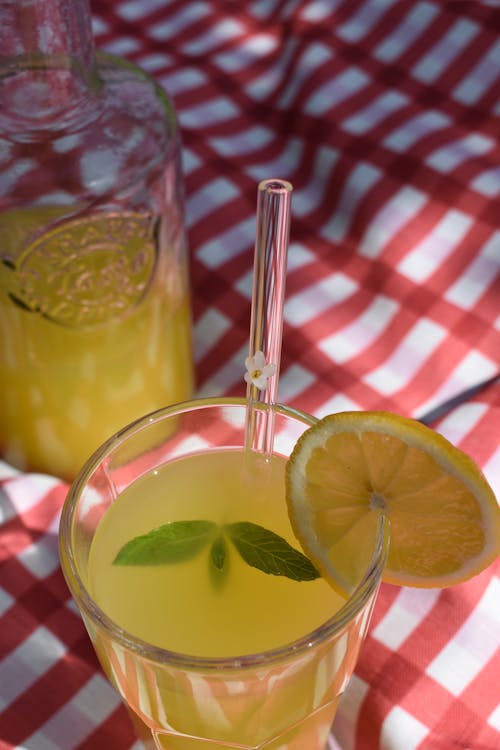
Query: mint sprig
[182,540]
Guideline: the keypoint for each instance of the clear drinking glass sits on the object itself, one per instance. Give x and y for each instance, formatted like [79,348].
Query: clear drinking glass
[284,697]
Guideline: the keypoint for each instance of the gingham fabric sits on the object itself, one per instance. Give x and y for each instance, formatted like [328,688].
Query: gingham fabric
[384,114]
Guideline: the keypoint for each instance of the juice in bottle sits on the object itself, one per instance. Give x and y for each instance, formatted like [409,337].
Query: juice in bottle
[94,333]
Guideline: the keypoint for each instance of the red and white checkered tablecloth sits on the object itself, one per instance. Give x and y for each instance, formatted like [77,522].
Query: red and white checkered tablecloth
[385,116]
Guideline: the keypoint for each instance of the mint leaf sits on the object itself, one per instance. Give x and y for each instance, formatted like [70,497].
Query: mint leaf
[218,552]
[270,553]
[170,543]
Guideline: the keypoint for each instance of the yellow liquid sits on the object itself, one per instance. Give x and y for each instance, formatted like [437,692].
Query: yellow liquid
[189,607]
[65,388]
[285,704]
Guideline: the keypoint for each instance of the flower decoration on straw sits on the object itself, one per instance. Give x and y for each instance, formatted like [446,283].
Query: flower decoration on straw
[258,370]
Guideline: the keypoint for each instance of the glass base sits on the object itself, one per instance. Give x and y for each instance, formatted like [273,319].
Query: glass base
[311,733]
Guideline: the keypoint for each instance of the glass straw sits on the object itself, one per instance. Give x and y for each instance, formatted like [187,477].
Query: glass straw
[266,325]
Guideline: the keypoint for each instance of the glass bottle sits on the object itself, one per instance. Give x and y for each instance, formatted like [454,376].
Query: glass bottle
[94,303]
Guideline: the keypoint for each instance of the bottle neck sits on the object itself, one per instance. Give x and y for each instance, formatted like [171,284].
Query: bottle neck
[47,59]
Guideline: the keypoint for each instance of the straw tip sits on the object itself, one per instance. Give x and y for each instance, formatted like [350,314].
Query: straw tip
[275,185]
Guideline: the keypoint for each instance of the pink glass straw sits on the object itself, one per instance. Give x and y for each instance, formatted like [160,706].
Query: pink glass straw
[266,325]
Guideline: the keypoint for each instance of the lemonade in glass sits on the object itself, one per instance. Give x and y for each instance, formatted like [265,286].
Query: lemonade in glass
[206,615]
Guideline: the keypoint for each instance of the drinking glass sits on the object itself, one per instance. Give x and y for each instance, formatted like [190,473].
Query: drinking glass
[284,698]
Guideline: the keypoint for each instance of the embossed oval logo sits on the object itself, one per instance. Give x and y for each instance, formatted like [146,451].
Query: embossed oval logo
[88,271]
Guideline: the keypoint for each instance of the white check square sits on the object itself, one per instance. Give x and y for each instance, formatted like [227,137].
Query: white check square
[475,643]
[399,723]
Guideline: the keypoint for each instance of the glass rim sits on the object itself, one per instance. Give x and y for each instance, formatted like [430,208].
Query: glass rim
[333,625]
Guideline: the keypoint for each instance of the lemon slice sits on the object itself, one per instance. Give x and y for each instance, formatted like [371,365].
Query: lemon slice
[353,466]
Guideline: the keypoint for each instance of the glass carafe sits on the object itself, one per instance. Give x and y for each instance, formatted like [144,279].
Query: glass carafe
[94,301]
